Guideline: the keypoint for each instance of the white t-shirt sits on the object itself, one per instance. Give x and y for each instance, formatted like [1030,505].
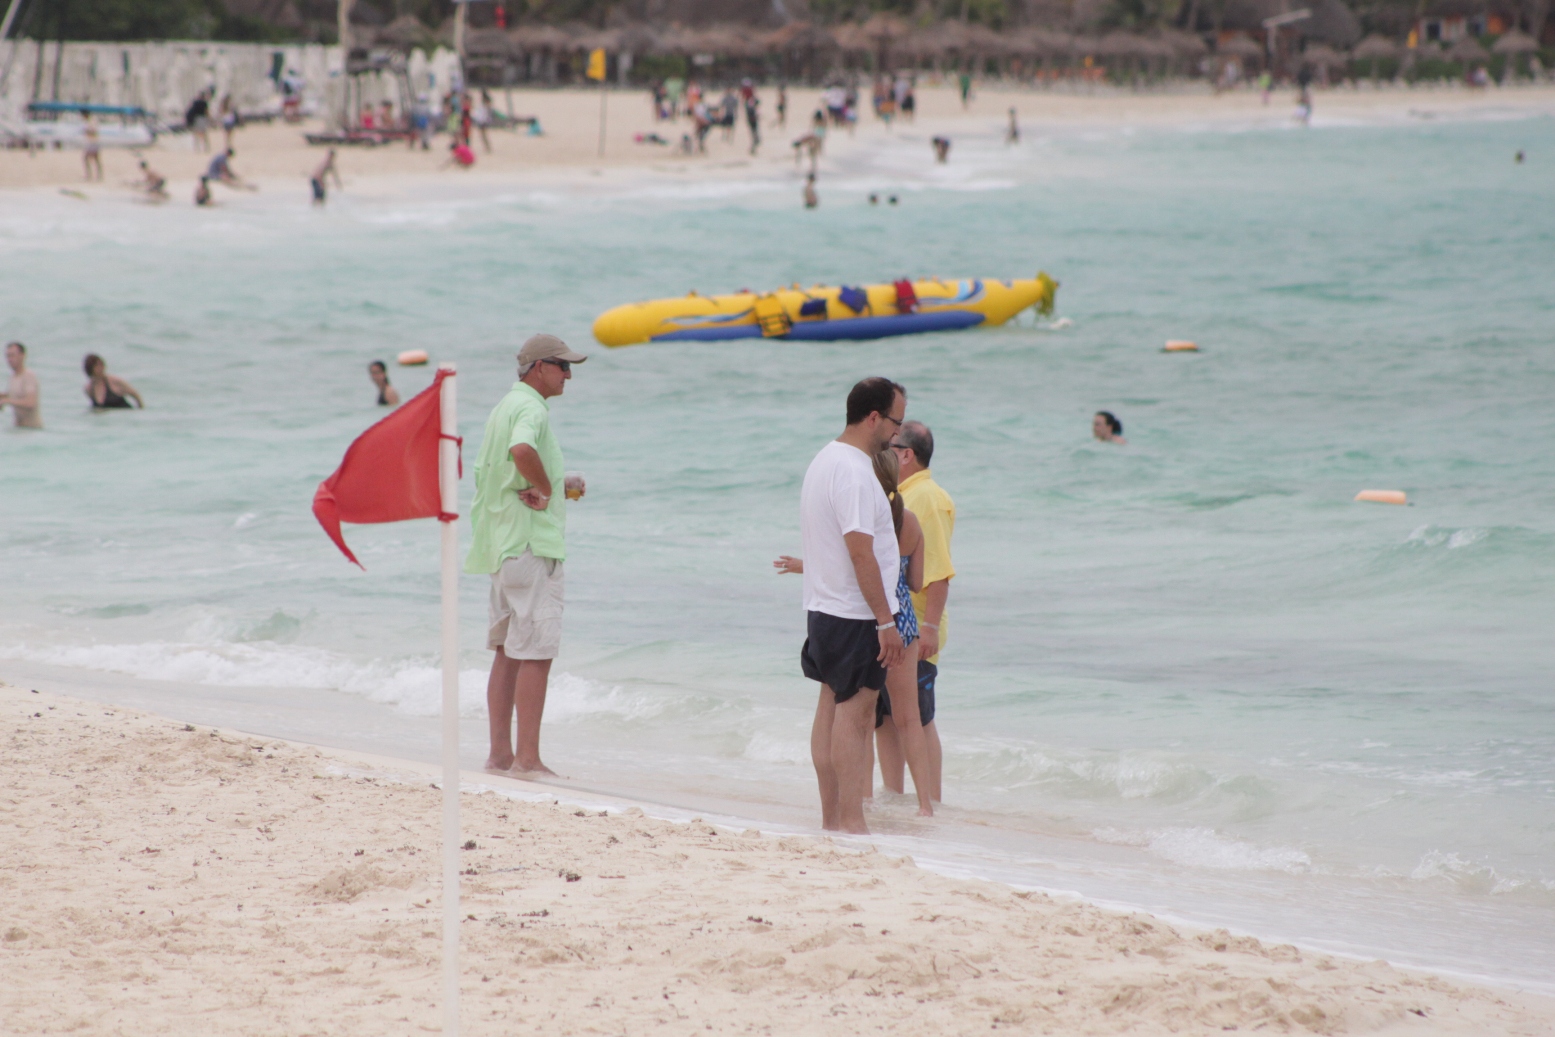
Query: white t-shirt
[842,495]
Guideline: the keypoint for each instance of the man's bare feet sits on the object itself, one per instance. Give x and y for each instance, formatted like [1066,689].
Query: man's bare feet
[496,766]
[530,767]
[925,811]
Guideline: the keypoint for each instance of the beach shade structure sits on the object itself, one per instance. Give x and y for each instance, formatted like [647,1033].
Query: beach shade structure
[1515,42]
[407,466]
[1322,56]
[1375,49]
[488,43]
[1468,50]
[406,32]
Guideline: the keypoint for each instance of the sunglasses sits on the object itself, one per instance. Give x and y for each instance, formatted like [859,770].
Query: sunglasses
[565,365]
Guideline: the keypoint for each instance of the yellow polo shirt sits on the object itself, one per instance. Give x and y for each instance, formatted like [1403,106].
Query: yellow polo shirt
[936,513]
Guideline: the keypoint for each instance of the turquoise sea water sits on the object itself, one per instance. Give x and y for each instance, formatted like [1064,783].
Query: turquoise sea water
[1189,675]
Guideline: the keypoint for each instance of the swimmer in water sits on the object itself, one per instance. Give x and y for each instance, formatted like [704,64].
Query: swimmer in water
[1106,427]
[107,391]
[388,395]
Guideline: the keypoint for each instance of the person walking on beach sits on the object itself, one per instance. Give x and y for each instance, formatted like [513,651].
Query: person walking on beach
[198,121]
[1012,132]
[107,391]
[22,394]
[388,395]
[518,523]
[92,155]
[936,514]
[325,170]
[811,199]
[752,114]
[850,575]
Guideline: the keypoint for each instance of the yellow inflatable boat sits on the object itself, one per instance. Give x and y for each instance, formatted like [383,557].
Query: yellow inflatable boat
[826,313]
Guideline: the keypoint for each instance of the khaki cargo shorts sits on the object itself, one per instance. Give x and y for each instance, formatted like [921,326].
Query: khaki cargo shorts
[525,618]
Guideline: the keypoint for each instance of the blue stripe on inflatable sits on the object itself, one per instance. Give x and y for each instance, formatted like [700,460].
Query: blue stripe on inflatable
[842,328]
[881,327]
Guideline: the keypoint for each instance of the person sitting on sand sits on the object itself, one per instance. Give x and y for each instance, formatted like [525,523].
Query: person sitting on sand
[154,184]
[1106,427]
[325,170]
[941,149]
[388,396]
[459,154]
[107,391]
[22,394]
[221,169]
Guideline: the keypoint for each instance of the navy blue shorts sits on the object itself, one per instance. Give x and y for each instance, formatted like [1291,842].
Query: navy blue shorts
[842,654]
[927,671]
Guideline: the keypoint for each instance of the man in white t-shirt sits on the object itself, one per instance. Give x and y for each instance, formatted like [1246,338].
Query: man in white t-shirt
[850,577]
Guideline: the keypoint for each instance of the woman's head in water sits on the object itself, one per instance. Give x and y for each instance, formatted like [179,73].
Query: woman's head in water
[1106,427]
[93,365]
[379,373]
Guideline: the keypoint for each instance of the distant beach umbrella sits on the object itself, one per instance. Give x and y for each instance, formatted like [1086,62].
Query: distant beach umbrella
[487,43]
[404,33]
[1515,42]
[1468,49]
[1239,47]
[1374,47]
[1320,55]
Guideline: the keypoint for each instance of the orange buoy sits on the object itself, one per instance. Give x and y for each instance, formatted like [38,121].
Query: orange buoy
[413,358]
[1181,345]
[1383,496]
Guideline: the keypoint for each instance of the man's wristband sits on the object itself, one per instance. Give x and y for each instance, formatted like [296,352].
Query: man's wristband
[929,626]
[882,627]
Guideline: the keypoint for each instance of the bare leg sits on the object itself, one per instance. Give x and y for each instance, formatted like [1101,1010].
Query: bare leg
[869,786]
[820,756]
[850,757]
[902,685]
[936,757]
[889,745]
[529,698]
[499,710]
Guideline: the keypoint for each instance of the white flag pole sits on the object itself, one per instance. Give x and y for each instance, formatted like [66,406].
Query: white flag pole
[448,482]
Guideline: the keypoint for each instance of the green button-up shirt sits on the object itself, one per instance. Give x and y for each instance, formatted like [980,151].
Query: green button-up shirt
[501,524]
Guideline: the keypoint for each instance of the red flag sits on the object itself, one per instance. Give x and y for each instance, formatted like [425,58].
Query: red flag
[390,472]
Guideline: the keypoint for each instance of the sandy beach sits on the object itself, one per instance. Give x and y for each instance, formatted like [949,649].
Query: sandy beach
[164,878]
[276,157]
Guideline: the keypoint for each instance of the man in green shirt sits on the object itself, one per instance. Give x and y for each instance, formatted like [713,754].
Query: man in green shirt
[519,525]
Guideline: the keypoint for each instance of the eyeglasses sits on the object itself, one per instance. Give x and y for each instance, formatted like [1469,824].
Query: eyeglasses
[888,417]
[565,365]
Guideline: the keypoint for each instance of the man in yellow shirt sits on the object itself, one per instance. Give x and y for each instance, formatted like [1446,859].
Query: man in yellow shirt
[936,513]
